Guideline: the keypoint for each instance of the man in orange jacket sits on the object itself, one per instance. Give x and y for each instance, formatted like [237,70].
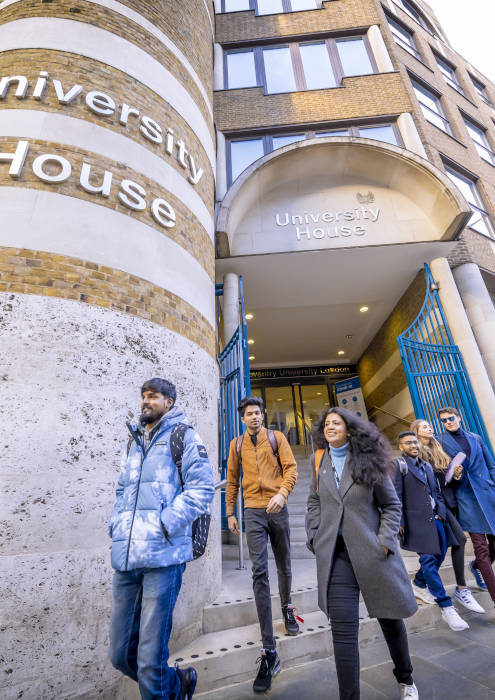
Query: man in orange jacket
[269,473]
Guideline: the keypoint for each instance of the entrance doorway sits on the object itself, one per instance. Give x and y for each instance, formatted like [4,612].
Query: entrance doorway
[293,408]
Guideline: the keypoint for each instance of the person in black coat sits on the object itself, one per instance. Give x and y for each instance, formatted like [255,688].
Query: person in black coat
[423,526]
[431,451]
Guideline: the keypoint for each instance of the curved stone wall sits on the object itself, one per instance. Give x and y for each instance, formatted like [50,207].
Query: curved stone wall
[106,278]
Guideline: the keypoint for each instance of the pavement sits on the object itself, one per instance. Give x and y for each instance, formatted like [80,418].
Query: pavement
[447,666]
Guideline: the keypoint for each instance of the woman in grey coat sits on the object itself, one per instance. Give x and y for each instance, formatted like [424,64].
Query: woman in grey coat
[352,523]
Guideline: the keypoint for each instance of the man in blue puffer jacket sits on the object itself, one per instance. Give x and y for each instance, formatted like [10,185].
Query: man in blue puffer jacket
[150,527]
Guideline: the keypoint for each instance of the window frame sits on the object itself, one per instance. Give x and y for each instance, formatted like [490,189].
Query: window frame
[414,13]
[480,89]
[297,63]
[485,144]
[480,207]
[413,49]
[438,99]
[286,5]
[454,82]
[267,137]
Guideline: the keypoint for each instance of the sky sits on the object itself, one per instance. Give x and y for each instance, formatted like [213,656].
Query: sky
[469,28]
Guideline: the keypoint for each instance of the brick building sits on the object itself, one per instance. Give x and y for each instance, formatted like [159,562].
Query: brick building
[346,70]
[325,150]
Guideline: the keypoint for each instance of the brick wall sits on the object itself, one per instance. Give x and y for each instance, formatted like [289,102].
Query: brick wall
[362,96]
[334,15]
[459,147]
[178,20]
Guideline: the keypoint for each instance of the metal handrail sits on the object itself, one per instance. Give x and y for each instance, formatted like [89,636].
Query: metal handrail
[392,415]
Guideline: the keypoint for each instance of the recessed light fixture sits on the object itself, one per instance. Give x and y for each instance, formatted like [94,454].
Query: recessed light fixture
[349,336]
[248,317]
[252,357]
[251,341]
[341,352]
[279,399]
[318,393]
[364,309]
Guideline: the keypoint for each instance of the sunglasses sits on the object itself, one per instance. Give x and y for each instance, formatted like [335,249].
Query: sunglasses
[450,419]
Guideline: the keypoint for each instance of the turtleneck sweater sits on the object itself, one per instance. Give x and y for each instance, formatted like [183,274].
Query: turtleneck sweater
[338,456]
[461,439]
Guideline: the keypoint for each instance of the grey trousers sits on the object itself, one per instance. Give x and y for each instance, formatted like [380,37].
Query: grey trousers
[261,526]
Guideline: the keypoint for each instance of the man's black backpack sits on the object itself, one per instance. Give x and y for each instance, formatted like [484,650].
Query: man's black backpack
[201,525]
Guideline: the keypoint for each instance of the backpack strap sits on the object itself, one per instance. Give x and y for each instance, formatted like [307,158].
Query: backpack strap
[238,448]
[272,439]
[177,447]
[318,458]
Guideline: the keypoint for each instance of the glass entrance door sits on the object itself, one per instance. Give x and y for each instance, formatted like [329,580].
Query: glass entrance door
[315,401]
[280,413]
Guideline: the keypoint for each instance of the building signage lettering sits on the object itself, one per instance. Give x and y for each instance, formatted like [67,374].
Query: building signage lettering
[104,106]
[305,227]
[288,372]
[53,168]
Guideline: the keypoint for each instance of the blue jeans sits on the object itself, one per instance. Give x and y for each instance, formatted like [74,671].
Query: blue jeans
[428,575]
[143,602]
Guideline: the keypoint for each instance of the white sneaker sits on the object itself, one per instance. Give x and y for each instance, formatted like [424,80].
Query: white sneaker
[423,594]
[453,619]
[408,691]
[466,598]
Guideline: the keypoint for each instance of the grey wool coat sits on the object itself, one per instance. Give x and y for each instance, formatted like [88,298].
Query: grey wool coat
[369,518]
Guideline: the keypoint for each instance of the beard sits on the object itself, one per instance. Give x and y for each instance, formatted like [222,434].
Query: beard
[149,416]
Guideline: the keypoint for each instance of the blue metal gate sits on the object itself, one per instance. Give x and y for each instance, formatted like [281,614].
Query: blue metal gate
[435,371]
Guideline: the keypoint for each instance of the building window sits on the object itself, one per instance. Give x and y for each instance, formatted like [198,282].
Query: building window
[404,37]
[413,12]
[279,72]
[481,90]
[305,66]
[269,7]
[480,140]
[480,220]
[431,107]
[241,69]
[354,56]
[449,73]
[242,152]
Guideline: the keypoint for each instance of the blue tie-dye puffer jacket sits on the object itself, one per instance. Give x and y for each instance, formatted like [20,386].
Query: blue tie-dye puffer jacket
[149,493]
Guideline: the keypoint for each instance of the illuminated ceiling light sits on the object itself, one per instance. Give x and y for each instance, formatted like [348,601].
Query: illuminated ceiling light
[341,352]
[279,399]
[248,317]
[252,357]
[364,309]
[251,341]
[318,393]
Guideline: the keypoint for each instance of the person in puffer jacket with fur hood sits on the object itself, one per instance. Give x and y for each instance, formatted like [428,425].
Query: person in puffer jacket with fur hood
[151,532]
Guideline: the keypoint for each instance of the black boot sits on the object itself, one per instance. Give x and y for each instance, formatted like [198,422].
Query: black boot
[269,666]
[188,679]
[291,626]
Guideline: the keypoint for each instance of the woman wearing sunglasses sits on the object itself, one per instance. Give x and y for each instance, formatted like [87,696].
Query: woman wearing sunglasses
[431,451]
[352,523]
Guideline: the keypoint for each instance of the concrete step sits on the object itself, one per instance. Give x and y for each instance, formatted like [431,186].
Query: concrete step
[297,534]
[226,614]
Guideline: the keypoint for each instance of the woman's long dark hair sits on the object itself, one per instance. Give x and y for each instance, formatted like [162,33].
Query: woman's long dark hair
[372,458]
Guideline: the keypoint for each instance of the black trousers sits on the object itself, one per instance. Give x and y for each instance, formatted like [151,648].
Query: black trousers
[457,551]
[343,607]
[261,527]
